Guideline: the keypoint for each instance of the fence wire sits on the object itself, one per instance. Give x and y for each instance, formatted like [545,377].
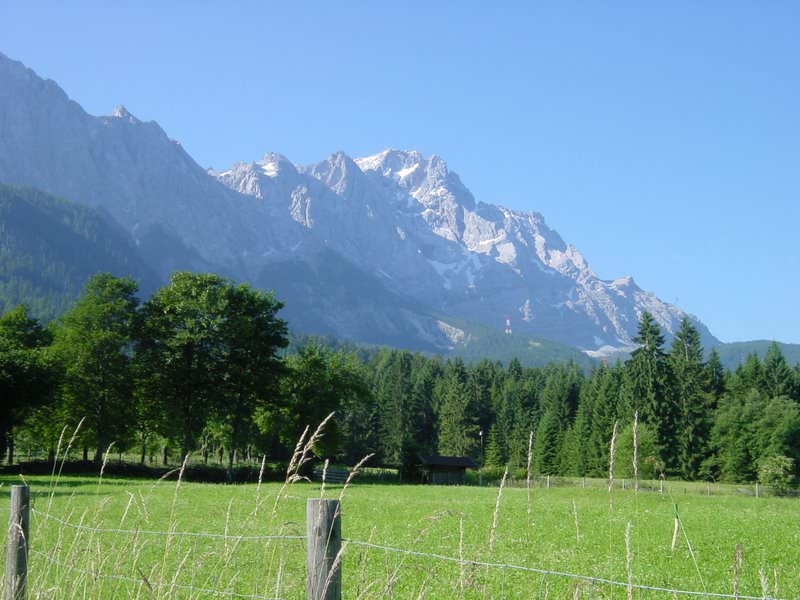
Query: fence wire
[147,583]
[220,536]
[503,567]
[587,578]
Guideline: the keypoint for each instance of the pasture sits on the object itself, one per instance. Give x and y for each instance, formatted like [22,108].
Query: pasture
[123,538]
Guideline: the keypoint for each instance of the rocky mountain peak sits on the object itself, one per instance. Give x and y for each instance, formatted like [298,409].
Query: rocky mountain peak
[273,164]
[120,112]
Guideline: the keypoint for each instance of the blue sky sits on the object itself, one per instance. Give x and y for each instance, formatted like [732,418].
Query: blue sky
[661,139]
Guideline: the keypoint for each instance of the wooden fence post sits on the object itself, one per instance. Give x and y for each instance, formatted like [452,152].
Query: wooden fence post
[324,538]
[17,548]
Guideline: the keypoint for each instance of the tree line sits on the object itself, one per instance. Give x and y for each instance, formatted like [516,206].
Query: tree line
[205,366]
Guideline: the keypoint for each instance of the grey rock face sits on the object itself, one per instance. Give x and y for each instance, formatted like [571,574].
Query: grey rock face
[408,242]
[411,221]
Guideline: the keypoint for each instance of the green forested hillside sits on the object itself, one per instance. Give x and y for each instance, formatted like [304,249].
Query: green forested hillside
[49,248]
[481,342]
[735,353]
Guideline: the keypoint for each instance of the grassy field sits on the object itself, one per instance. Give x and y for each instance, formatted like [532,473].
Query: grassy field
[569,530]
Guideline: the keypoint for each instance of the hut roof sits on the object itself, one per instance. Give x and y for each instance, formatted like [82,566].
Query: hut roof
[448,461]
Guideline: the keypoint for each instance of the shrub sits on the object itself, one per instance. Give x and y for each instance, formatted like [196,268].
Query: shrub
[777,472]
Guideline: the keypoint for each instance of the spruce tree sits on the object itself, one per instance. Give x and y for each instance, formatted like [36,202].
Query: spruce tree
[778,377]
[648,386]
[458,429]
[686,361]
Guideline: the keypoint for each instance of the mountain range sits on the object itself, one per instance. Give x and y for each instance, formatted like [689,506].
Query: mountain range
[385,249]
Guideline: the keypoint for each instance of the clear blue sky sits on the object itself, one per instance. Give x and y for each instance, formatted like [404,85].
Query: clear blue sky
[661,139]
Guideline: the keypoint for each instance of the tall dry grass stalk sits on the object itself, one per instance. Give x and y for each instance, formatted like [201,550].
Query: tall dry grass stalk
[612,456]
[461,570]
[301,455]
[636,452]
[577,526]
[679,527]
[54,479]
[353,472]
[105,462]
[629,560]
[776,590]
[324,477]
[762,577]
[528,476]
[737,565]
[337,563]
[257,503]
[496,516]
[676,530]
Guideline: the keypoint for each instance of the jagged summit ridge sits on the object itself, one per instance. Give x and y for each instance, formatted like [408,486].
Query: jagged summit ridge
[472,259]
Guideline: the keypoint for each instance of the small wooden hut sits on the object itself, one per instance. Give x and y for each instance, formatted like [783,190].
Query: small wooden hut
[445,470]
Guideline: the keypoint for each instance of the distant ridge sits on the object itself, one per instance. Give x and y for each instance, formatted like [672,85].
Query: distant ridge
[735,353]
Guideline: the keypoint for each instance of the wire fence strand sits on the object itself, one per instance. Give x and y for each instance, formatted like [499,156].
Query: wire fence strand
[358,543]
[219,536]
[587,578]
[147,583]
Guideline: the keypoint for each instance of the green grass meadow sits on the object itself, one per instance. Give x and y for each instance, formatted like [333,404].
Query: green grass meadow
[569,530]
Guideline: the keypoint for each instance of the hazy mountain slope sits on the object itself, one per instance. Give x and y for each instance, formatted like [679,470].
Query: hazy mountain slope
[130,168]
[51,247]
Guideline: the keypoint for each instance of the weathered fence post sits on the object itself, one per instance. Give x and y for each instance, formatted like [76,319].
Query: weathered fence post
[17,549]
[324,538]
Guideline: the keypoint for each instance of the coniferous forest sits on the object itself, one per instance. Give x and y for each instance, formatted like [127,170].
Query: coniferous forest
[206,367]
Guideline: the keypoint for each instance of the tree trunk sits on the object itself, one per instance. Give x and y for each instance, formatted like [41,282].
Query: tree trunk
[51,455]
[232,452]
[143,453]
[164,456]
[229,470]
[10,440]
[85,454]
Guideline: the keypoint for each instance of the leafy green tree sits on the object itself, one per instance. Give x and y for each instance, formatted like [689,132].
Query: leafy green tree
[318,382]
[181,348]
[94,342]
[777,430]
[28,372]
[250,369]
[733,438]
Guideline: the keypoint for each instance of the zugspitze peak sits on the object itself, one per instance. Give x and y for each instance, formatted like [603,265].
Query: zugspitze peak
[389,248]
